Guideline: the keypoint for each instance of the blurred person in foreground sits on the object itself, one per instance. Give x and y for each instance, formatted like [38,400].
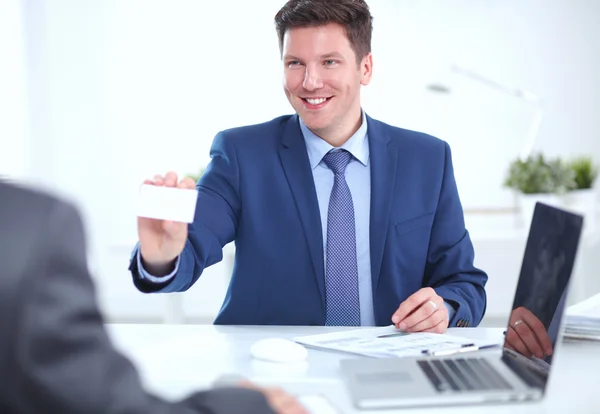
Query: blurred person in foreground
[55,355]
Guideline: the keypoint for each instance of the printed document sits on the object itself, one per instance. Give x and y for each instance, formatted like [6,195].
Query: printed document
[583,319]
[384,342]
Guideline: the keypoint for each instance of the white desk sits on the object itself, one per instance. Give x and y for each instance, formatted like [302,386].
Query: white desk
[175,360]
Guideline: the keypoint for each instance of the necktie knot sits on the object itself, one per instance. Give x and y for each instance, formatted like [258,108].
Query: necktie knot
[337,160]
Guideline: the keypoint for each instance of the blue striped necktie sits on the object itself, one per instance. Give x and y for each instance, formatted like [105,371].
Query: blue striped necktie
[341,269]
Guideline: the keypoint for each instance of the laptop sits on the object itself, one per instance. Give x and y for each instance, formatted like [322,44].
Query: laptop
[515,373]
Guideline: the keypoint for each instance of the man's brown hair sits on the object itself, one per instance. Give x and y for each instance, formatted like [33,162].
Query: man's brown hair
[353,15]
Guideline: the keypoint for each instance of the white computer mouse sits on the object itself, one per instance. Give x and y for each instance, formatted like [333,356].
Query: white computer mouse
[278,350]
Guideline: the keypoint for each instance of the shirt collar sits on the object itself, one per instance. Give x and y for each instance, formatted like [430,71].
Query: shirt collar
[357,145]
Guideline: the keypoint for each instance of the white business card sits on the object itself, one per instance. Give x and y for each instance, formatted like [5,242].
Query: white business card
[167,203]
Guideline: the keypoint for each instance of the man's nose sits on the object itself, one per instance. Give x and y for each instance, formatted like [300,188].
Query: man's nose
[312,79]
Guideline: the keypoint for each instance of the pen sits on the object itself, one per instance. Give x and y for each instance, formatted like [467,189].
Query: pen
[463,348]
[389,335]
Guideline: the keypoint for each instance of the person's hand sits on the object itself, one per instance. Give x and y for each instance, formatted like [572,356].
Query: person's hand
[280,401]
[527,335]
[423,311]
[161,241]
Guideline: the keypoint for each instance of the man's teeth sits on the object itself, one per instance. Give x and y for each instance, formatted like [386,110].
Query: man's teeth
[316,101]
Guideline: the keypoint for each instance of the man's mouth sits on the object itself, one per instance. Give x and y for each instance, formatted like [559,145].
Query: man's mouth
[316,102]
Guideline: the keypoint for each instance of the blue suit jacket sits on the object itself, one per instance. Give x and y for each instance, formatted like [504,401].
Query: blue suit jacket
[259,191]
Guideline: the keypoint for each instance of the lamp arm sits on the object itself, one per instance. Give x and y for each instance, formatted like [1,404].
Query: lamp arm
[532,133]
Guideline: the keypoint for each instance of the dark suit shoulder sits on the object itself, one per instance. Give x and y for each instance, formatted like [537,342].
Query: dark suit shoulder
[256,132]
[25,216]
[21,201]
[24,211]
[415,139]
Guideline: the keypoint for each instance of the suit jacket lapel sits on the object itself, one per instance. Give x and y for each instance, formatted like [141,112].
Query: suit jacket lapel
[383,160]
[296,166]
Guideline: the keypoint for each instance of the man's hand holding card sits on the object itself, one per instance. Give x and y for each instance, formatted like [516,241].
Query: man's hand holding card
[165,208]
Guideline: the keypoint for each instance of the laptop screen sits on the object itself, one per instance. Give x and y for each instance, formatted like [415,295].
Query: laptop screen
[539,303]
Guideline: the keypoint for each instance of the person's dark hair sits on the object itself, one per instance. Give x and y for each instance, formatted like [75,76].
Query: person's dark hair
[353,15]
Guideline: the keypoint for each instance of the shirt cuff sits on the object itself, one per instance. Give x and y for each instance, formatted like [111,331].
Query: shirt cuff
[156,279]
[451,310]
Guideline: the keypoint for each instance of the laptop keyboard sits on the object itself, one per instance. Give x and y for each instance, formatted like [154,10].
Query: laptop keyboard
[463,374]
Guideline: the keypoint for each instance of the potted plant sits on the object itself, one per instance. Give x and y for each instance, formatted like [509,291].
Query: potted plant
[582,198]
[539,179]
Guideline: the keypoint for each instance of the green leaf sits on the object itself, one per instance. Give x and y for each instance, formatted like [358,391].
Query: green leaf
[537,175]
[585,172]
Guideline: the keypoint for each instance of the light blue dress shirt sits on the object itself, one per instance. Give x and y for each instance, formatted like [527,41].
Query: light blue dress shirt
[156,279]
[358,178]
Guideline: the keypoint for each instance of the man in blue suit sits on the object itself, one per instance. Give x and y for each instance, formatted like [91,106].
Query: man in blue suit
[338,219]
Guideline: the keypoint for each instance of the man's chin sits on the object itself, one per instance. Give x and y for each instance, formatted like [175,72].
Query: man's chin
[317,128]
[314,123]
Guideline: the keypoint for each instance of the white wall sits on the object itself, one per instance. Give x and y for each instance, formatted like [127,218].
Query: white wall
[550,48]
[14,156]
[122,89]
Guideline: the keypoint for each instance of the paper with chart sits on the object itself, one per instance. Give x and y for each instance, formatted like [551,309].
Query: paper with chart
[384,342]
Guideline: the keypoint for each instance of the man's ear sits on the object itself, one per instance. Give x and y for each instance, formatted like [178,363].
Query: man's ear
[366,69]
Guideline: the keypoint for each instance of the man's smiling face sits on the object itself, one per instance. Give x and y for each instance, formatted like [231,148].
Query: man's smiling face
[323,78]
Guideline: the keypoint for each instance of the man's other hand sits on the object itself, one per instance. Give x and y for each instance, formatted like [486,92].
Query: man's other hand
[527,335]
[423,311]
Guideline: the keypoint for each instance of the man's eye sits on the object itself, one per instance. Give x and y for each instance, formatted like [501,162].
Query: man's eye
[330,62]
[293,63]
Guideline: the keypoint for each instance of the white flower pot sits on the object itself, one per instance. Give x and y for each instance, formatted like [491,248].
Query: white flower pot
[527,205]
[583,202]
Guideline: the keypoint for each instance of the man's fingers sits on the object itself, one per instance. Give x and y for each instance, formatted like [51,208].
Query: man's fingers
[439,328]
[515,342]
[159,180]
[533,332]
[509,346]
[432,321]
[412,303]
[544,341]
[539,331]
[420,316]
[527,336]
[187,183]
[171,179]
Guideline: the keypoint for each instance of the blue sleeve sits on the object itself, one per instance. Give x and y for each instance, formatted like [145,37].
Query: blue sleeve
[451,310]
[218,209]
[156,279]
[450,267]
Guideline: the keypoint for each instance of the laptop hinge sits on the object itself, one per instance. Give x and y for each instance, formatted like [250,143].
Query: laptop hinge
[534,377]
